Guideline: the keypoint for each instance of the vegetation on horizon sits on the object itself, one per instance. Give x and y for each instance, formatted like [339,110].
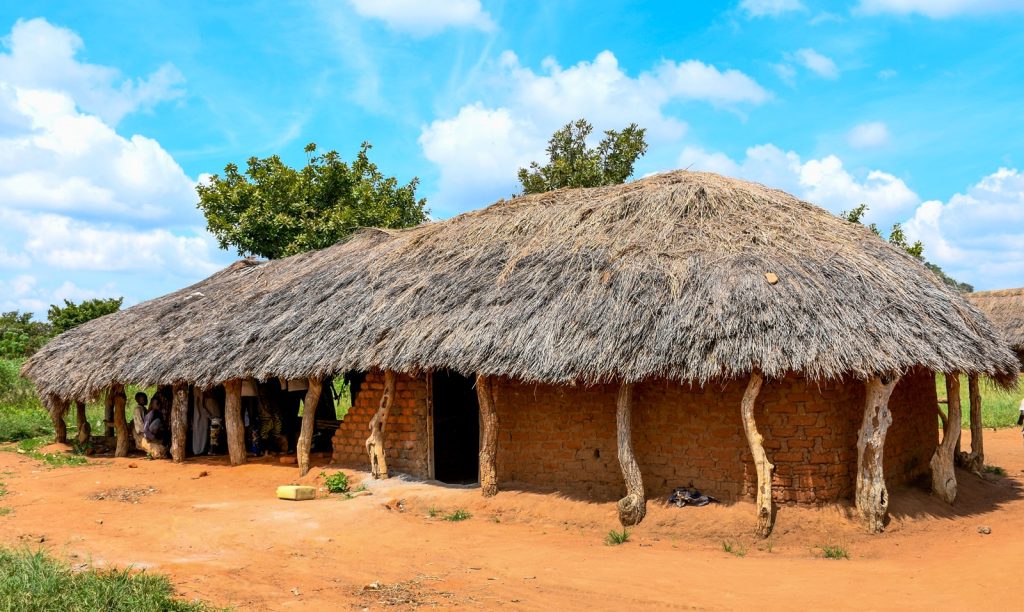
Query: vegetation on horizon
[272,210]
[571,163]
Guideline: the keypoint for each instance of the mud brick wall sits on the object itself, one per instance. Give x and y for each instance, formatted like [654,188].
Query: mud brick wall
[563,438]
[406,433]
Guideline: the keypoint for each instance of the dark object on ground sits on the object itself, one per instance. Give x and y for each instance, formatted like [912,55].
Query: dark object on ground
[689,496]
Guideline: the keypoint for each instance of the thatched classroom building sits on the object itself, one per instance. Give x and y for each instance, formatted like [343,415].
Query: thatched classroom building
[1005,309]
[605,343]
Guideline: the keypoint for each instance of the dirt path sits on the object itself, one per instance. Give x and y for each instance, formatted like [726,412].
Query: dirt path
[223,537]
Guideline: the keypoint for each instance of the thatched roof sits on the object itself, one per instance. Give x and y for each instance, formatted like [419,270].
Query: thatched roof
[666,276]
[1005,309]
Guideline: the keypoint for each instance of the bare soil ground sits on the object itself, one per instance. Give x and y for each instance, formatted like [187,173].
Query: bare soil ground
[221,535]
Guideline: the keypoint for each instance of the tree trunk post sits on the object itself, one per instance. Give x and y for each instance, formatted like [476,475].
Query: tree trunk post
[233,422]
[633,507]
[943,473]
[488,435]
[375,443]
[108,412]
[120,423]
[976,460]
[308,422]
[763,467]
[82,420]
[179,422]
[58,407]
[872,497]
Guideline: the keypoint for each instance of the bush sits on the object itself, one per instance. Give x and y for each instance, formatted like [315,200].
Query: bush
[15,390]
[336,482]
[37,581]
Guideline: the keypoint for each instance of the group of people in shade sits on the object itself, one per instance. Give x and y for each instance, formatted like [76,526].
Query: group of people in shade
[151,432]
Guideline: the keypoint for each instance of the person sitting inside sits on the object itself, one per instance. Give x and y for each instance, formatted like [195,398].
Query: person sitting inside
[139,416]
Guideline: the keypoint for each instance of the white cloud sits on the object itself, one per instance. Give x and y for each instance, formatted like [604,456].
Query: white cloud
[824,181]
[480,148]
[42,57]
[425,17]
[887,73]
[770,8]
[78,201]
[817,63]
[939,9]
[977,236]
[867,135]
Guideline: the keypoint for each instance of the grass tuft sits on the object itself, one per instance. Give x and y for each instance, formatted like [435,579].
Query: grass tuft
[834,551]
[37,581]
[615,537]
[457,515]
[994,469]
[734,548]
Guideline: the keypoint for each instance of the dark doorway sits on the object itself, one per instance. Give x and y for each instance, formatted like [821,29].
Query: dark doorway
[456,428]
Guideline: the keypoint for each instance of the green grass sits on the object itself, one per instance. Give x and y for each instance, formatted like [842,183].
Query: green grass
[999,407]
[834,551]
[615,537]
[457,515]
[734,549]
[994,469]
[35,581]
[30,447]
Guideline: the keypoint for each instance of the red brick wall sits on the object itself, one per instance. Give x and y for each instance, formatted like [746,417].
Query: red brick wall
[563,438]
[406,432]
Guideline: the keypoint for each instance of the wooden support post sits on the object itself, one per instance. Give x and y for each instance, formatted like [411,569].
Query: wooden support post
[872,497]
[488,435]
[976,459]
[179,421]
[375,443]
[108,412]
[764,468]
[633,507]
[58,407]
[84,429]
[308,421]
[120,423]
[233,422]
[943,473]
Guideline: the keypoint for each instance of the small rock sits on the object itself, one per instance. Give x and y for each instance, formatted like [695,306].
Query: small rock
[296,592]
[133,465]
[984,530]
[99,522]
[771,278]
[42,539]
[373,586]
[202,474]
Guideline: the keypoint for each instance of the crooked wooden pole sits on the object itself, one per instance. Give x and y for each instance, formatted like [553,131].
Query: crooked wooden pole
[943,474]
[872,497]
[58,407]
[120,423]
[976,460]
[633,507]
[488,435]
[108,412]
[233,422]
[375,443]
[82,420]
[179,421]
[308,424]
[763,467]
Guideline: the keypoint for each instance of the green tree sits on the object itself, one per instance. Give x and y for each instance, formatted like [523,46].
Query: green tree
[897,237]
[71,315]
[273,210]
[571,163]
[20,336]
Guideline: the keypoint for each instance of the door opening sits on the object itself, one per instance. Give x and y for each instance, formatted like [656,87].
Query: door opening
[456,428]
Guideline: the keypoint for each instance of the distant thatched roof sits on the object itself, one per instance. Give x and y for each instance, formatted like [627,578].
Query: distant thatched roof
[1005,309]
[666,276]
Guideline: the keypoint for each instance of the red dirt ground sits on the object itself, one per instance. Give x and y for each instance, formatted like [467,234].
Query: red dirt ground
[224,537]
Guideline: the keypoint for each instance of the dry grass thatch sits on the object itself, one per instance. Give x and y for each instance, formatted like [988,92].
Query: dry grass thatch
[1005,309]
[661,277]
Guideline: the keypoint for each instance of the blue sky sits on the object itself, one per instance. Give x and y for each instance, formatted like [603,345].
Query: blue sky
[110,112]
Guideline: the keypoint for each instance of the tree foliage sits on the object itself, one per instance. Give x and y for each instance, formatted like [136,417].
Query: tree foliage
[571,163]
[273,210]
[897,237]
[70,315]
[20,336]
